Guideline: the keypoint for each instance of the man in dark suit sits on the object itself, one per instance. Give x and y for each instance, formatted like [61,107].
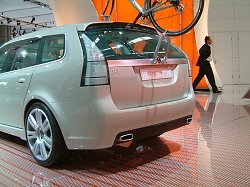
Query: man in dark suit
[205,67]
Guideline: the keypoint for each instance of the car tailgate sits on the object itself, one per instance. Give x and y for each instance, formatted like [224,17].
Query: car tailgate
[136,83]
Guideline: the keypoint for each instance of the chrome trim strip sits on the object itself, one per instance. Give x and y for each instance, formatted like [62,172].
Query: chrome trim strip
[143,62]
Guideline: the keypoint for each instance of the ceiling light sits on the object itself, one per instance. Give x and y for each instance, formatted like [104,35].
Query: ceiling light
[9,20]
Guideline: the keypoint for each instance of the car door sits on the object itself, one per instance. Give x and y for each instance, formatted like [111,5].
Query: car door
[15,76]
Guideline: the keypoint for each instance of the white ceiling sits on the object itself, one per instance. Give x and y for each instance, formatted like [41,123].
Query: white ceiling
[24,11]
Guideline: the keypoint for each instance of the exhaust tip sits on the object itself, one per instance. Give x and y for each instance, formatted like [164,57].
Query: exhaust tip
[126,137]
[189,120]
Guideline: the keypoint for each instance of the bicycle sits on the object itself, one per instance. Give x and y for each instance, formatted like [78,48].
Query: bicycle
[165,13]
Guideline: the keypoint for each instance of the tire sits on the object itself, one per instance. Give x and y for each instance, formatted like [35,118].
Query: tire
[168,20]
[43,136]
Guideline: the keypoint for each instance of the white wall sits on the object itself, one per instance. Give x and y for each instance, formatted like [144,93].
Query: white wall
[232,17]
[72,12]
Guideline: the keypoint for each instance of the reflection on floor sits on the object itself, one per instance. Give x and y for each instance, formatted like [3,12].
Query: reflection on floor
[214,150]
[247,94]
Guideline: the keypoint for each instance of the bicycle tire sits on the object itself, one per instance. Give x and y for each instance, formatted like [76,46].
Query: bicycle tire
[107,5]
[161,27]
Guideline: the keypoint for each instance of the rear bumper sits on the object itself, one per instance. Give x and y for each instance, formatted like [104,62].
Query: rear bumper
[154,130]
[94,122]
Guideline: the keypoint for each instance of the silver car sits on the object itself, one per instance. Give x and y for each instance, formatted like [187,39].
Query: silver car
[91,86]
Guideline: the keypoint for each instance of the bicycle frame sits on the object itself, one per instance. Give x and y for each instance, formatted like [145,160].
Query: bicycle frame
[162,38]
[144,11]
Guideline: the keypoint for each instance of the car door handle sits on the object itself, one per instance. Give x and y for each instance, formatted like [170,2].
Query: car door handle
[21,80]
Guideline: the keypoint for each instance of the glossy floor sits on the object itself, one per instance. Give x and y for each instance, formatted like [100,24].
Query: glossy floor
[214,150]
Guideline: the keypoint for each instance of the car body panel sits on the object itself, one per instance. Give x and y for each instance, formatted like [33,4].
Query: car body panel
[13,90]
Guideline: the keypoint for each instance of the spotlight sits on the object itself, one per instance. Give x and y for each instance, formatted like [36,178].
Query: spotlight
[9,20]
[18,22]
[2,15]
[33,19]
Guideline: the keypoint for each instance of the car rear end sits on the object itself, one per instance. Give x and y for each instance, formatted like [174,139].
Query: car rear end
[125,94]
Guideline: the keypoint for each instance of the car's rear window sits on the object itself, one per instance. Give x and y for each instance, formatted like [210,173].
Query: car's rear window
[120,43]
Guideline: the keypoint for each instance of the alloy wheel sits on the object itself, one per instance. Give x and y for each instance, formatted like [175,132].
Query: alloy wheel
[39,134]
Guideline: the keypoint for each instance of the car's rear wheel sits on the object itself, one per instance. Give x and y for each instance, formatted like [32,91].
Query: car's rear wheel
[43,135]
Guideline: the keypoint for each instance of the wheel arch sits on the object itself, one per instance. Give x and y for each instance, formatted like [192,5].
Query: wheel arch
[36,100]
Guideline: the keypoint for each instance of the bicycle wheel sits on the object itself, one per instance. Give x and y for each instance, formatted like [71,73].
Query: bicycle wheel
[173,16]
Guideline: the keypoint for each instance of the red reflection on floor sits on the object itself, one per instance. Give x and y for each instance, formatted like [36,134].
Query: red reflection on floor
[214,150]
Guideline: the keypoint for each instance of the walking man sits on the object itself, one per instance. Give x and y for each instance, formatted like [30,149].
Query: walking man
[205,67]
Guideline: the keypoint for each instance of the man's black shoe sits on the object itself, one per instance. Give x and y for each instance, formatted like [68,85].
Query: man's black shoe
[217,91]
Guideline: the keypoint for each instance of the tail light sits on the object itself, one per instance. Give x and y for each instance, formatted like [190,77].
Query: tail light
[95,68]
[96,73]
[189,70]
